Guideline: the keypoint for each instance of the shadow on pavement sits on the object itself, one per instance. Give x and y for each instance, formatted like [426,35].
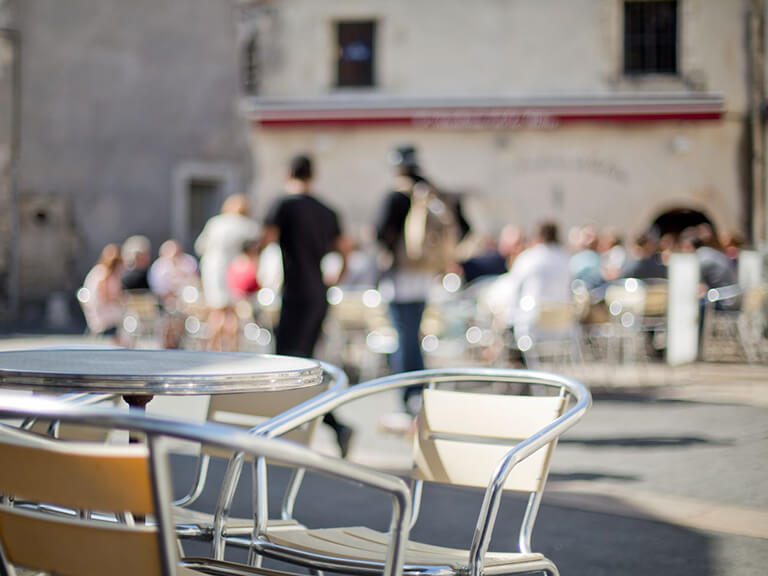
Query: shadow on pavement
[590,477]
[645,442]
[580,542]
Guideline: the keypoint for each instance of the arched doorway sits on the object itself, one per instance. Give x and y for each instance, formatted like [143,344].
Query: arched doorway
[676,220]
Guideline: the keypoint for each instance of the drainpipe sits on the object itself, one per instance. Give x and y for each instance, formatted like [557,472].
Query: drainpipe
[757,134]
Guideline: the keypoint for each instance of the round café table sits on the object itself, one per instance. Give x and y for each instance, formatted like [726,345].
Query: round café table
[141,374]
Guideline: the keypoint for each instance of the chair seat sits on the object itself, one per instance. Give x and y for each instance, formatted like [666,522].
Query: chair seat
[196,524]
[192,566]
[364,544]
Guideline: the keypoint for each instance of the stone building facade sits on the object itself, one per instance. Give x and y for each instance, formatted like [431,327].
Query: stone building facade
[8,47]
[128,123]
[609,112]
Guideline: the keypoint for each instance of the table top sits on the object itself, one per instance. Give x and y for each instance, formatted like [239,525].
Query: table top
[153,372]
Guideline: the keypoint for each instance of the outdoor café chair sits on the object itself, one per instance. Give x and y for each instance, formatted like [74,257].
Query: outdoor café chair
[104,495]
[250,410]
[495,441]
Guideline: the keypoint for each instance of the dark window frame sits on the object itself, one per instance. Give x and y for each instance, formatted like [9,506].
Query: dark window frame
[651,37]
[355,68]
[250,81]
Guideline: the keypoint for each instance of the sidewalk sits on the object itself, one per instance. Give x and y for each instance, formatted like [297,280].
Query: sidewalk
[679,445]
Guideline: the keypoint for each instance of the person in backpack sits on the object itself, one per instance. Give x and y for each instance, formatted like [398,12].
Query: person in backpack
[417,228]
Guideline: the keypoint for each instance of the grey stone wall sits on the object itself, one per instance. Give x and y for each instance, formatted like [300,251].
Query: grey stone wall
[116,95]
[7,63]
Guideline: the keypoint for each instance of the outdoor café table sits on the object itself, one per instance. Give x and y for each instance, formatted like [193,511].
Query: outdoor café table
[141,374]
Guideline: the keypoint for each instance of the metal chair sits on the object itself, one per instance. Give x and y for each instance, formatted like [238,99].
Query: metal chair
[250,411]
[752,322]
[143,319]
[126,483]
[727,315]
[464,438]
[356,317]
[554,335]
[638,308]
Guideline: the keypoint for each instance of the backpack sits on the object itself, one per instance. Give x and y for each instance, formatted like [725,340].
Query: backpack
[430,232]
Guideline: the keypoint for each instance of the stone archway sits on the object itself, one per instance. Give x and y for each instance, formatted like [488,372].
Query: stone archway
[676,220]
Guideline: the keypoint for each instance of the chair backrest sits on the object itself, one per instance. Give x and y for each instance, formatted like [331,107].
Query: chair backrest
[656,298]
[626,296]
[77,432]
[754,299]
[249,410]
[555,317]
[462,437]
[76,476]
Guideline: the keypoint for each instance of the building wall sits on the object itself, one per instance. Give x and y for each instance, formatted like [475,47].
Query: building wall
[500,47]
[7,79]
[576,175]
[116,97]
[621,174]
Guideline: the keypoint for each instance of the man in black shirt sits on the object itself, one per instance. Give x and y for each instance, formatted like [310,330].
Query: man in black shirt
[307,230]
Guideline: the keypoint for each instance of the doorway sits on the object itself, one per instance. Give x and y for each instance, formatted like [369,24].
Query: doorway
[199,190]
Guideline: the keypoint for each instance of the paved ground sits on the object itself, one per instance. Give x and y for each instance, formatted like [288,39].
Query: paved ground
[666,475]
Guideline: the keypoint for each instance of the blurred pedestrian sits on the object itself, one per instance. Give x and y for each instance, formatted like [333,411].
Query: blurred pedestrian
[220,241]
[306,230]
[586,264]
[716,269]
[101,299]
[136,253]
[498,259]
[172,271]
[613,254]
[243,271]
[169,275]
[645,261]
[539,277]
[413,200]
[732,244]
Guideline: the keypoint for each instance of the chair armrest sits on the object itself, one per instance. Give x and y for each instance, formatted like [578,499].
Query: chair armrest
[323,403]
[723,293]
[227,438]
[521,451]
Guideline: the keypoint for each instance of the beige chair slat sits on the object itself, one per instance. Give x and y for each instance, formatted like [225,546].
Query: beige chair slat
[361,543]
[250,410]
[503,417]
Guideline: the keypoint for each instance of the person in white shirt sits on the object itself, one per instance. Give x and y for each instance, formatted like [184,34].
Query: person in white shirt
[539,277]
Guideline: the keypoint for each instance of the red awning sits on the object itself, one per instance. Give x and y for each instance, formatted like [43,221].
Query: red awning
[502,114]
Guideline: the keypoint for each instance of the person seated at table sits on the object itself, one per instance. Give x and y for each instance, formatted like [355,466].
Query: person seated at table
[645,260]
[169,275]
[101,297]
[173,271]
[586,264]
[498,259]
[137,255]
[716,269]
[242,272]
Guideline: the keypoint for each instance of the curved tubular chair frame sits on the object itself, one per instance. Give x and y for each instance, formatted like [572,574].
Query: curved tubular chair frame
[76,398]
[492,498]
[220,436]
[336,382]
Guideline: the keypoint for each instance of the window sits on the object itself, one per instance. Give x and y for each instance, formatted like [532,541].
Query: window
[250,66]
[650,37]
[356,53]
[204,200]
